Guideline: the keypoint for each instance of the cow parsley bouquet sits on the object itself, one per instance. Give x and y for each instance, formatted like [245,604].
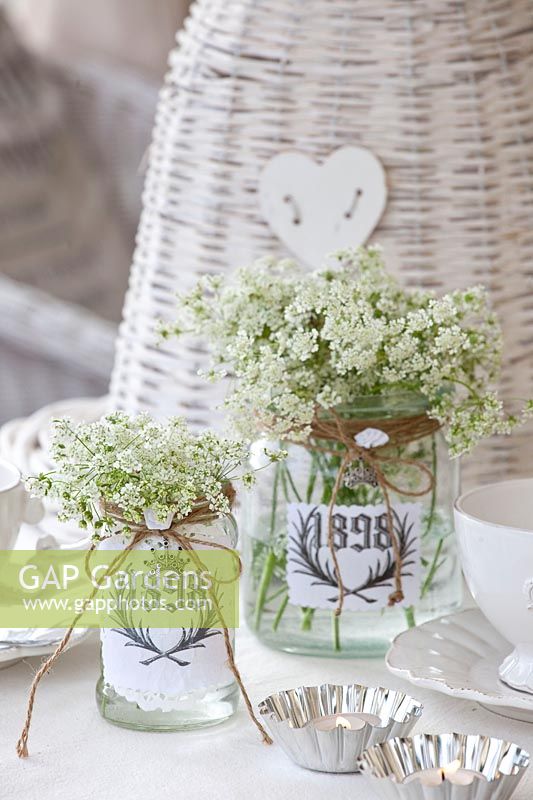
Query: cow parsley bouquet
[296,342]
[138,464]
[307,354]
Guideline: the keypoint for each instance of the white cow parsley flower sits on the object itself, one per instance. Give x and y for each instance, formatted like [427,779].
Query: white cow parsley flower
[296,342]
[139,464]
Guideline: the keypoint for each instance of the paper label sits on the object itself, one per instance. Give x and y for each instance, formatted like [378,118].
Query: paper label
[157,667]
[364,552]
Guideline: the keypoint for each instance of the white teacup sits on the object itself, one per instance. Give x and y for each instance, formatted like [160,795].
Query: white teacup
[16,505]
[494,526]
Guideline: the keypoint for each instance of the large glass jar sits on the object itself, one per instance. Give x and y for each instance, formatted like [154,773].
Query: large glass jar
[290,583]
[168,679]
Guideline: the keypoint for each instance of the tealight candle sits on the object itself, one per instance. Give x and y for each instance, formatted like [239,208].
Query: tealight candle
[453,773]
[352,721]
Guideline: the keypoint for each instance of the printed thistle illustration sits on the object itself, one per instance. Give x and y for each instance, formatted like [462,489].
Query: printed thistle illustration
[305,552]
[189,639]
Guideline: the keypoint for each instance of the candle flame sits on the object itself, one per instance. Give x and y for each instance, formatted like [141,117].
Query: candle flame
[342,722]
[451,769]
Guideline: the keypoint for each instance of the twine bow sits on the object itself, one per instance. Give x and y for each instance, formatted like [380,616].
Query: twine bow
[399,432]
[200,512]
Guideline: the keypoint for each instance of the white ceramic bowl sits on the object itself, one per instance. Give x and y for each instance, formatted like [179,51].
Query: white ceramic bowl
[494,527]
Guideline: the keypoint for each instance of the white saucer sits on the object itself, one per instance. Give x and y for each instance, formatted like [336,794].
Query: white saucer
[17,644]
[459,655]
[25,442]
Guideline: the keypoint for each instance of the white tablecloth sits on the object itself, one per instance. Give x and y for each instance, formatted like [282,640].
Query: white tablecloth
[75,755]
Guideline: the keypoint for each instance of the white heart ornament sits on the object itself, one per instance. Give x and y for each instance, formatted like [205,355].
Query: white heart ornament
[316,209]
[371,437]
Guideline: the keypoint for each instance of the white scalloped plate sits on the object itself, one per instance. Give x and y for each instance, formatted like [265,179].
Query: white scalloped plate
[35,642]
[459,655]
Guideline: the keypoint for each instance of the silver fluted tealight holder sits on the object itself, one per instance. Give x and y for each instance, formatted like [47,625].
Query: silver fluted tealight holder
[448,766]
[298,720]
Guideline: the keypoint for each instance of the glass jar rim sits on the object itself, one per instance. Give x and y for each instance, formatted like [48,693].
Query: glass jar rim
[401,403]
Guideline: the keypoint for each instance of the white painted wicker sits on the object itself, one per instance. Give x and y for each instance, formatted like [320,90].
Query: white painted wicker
[439,90]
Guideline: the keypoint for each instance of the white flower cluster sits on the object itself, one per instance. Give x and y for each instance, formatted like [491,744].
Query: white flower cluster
[296,341]
[136,464]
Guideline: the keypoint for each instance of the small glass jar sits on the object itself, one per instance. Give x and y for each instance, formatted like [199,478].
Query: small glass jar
[290,586]
[140,686]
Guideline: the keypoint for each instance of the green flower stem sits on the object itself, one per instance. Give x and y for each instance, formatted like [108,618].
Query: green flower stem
[426,586]
[275,595]
[291,482]
[410,616]
[282,607]
[307,618]
[336,633]
[280,612]
[327,489]
[410,611]
[434,487]
[323,466]
[266,577]
[312,478]
[435,566]
[286,483]
[270,563]
[283,479]
[327,480]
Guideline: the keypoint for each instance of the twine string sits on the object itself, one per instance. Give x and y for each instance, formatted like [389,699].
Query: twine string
[186,543]
[399,431]
[22,743]
[201,512]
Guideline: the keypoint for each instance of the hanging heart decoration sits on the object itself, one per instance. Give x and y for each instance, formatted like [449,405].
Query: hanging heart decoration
[316,209]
